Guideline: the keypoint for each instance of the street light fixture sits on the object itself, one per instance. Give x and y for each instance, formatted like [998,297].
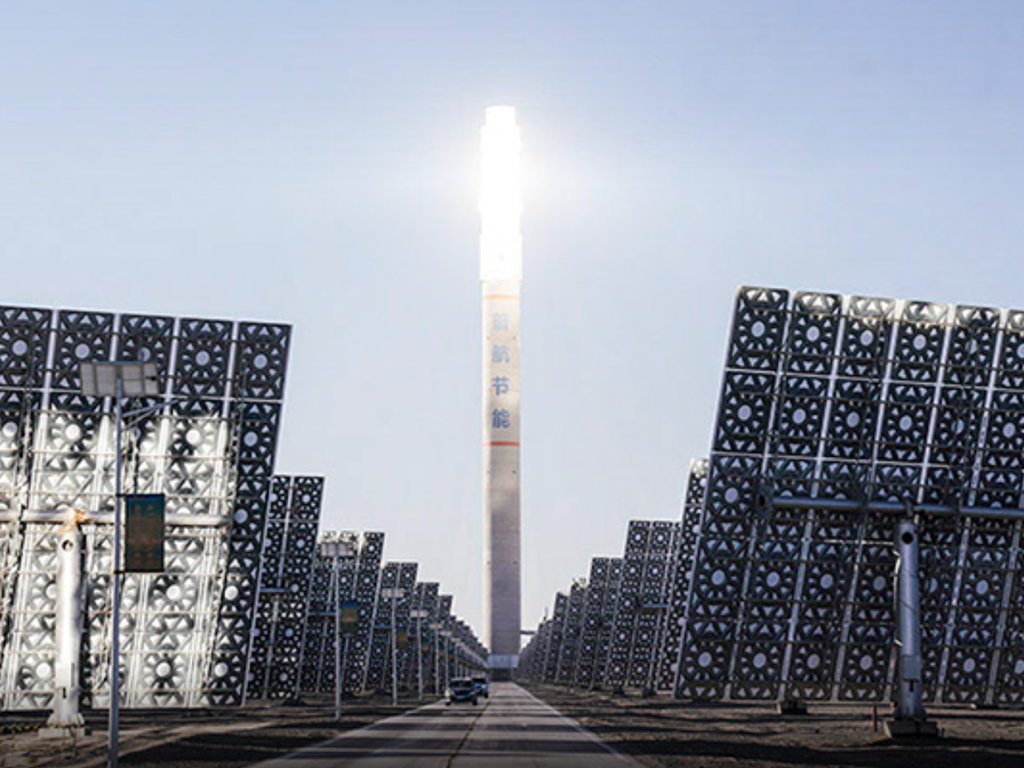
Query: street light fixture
[435,627]
[335,548]
[117,380]
[446,638]
[394,594]
[419,614]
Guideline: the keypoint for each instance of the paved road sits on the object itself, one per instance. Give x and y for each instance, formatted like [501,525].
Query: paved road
[511,730]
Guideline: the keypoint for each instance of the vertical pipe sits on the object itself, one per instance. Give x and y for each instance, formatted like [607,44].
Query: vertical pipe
[909,704]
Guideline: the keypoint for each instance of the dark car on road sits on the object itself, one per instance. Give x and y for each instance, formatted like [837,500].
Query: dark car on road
[462,689]
[482,686]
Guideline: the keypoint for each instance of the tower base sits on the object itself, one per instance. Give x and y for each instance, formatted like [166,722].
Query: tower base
[501,667]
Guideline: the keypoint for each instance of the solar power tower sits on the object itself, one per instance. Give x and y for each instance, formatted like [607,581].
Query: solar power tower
[843,421]
[501,276]
[208,445]
[286,576]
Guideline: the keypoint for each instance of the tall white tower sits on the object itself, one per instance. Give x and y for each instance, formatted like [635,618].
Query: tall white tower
[501,275]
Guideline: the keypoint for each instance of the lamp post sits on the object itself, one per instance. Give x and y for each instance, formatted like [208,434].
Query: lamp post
[419,614]
[446,637]
[118,380]
[335,548]
[435,627]
[394,594]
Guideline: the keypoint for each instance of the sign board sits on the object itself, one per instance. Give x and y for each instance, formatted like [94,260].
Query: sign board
[144,533]
[349,617]
[402,639]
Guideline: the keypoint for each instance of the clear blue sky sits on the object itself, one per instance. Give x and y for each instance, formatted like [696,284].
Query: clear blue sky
[316,163]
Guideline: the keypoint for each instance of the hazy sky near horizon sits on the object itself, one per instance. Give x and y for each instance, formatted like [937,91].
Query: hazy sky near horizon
[316,163]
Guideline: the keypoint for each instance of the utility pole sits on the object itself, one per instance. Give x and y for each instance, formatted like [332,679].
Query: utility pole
[394,594]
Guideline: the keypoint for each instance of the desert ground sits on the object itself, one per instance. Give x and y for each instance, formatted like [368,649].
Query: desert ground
[665,733]
[657,731]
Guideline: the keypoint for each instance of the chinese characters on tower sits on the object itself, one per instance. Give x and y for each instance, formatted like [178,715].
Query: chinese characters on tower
[501,354]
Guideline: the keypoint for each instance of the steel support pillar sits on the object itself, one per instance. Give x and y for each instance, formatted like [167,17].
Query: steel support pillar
[909,717]
[66,720]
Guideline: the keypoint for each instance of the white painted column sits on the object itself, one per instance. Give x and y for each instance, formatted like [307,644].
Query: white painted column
[67,718]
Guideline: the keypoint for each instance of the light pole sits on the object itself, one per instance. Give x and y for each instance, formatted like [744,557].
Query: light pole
[335,548]
[394,594]
[446,636]
[419,614]
[118,380]
[435,627]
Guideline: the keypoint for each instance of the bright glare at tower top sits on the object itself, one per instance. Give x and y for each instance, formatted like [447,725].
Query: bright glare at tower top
[501,203]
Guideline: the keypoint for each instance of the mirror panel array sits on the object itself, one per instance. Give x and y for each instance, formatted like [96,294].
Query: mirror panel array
[289,548]
[611,630]
[554,641]
[210,449]
[531,656]
[358,579]
[838,397]
[424,653]
[598,613]
[569,651]
[365,662]
[640,618]
[681,570]
[395,576]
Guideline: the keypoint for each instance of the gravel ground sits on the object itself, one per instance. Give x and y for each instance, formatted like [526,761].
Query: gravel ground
[197,739]
[675,734]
